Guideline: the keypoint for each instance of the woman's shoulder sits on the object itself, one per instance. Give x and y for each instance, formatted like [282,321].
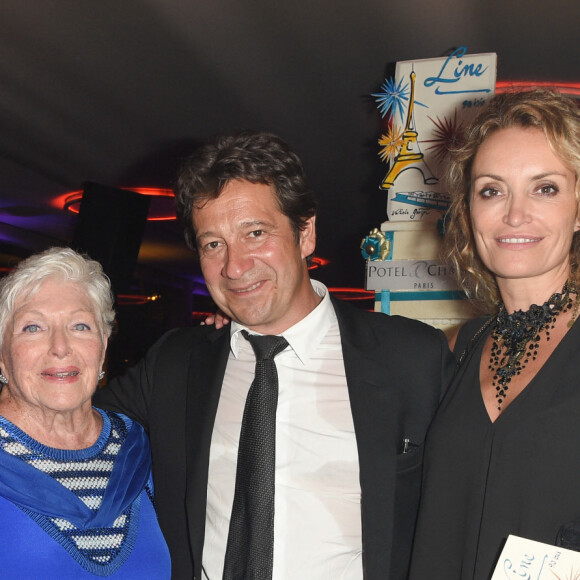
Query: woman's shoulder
[120,421]
[467,333]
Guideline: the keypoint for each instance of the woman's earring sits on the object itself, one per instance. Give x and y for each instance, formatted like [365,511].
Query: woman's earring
[3,379]
[101,375]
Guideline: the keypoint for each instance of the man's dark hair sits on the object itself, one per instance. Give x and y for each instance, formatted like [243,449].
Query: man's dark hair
[247,155]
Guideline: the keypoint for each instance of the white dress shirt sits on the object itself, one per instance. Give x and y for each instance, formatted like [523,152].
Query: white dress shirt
[317,520]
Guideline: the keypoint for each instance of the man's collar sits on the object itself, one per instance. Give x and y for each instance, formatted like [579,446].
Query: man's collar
[304,336]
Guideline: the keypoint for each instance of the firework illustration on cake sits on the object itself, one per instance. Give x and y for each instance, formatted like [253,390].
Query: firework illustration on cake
[424,109]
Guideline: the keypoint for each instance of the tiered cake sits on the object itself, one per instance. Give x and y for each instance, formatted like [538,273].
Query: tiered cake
[426,107]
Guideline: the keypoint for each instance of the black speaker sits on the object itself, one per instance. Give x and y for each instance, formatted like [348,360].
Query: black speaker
[110,228]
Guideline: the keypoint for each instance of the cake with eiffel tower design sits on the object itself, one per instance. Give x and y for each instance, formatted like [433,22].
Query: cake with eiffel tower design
[425,108]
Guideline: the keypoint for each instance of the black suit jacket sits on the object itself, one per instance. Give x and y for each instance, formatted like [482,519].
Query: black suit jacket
[396,371]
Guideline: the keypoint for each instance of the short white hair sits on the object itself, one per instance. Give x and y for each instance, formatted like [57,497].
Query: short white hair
[63,264]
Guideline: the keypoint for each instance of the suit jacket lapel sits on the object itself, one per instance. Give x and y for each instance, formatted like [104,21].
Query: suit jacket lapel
[374,423]
[206,372]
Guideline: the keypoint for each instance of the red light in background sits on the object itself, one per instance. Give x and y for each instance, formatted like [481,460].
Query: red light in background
[352,293]
[162,207]
[136,299]
[571,89]
[200,315]
[318,262]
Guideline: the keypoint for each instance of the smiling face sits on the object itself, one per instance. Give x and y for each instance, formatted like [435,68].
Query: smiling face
[53,350]
[524,209]
[253,266]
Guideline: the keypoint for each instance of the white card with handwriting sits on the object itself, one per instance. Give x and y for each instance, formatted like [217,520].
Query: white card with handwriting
[530,560]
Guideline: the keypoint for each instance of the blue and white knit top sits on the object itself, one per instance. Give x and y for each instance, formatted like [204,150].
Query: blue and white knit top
[84,500]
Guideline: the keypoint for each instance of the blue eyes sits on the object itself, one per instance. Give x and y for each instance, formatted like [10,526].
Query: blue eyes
[34,328]
[31,328]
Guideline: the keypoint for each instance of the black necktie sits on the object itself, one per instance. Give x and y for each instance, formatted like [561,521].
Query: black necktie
[250,550]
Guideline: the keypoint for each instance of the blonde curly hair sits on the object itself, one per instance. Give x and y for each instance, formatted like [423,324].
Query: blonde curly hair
[553,113]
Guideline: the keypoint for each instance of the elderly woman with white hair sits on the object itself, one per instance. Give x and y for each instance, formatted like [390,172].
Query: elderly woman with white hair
[76,497]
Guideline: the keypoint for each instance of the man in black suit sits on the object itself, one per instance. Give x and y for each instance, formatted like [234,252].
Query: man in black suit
[357,390]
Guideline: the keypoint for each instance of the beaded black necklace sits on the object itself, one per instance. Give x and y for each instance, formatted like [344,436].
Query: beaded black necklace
[517,336]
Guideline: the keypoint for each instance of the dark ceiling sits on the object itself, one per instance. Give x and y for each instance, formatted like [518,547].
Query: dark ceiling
[118,91]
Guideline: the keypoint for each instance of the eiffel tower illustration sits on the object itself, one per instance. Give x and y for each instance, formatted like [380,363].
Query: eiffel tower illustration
[410,154]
